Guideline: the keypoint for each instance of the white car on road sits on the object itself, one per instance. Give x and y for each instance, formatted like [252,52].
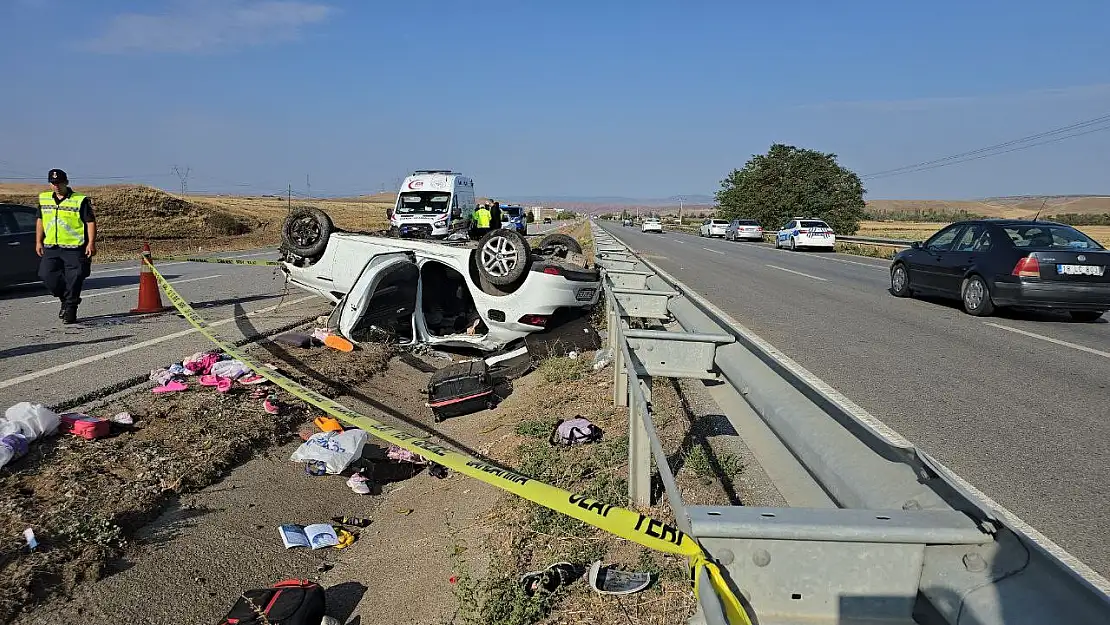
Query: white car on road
[713,228]
[651,224]
[483,295]
[801,233]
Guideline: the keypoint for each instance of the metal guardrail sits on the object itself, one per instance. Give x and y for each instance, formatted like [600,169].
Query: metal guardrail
[879,531]
[897,243]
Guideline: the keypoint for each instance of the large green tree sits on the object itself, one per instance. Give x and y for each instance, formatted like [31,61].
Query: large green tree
[789,182]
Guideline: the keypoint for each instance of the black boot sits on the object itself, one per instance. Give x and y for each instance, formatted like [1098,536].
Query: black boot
[70,315]
[62,310]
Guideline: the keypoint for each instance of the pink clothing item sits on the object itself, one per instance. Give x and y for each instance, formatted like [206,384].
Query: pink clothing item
[173,386]
[251,378]
[209,380]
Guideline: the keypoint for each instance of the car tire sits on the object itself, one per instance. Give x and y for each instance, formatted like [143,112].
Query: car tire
[976,296]
[503,257]
[563,243]
[793,244]
[1086,316]
[305,232]
[900,281]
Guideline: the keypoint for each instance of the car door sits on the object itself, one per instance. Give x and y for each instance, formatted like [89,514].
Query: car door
[784,233]
[383,300]
[959,260]
[17,241]
[925,265]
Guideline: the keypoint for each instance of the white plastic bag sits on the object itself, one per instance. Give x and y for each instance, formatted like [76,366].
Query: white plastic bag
[34,420]
[335,449]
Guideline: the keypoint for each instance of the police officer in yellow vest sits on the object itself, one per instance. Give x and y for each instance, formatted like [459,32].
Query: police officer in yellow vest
[66,240]
[481,221]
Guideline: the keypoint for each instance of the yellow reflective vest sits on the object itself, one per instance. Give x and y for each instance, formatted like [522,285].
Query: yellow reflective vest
[61,223]
[482,218]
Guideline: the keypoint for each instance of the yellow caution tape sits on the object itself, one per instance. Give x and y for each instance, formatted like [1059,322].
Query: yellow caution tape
[622,522]
[222,261]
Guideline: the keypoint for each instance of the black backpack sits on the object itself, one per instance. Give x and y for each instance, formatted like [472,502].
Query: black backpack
[289,602]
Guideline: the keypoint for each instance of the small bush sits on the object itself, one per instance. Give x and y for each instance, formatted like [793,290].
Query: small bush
[557,370]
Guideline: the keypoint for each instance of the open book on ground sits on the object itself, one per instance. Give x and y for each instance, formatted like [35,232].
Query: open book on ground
[316,536]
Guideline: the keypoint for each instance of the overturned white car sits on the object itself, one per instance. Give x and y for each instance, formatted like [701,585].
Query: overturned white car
[483,295]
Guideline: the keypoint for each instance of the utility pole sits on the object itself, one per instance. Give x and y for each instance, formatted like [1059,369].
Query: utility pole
[308,184]
[680,201]
[183,177]
[289,198]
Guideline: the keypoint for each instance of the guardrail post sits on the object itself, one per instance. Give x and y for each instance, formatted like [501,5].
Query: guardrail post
[620,376]
[639,446]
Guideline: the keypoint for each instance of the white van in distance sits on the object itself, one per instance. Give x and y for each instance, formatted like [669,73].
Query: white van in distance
[432,203]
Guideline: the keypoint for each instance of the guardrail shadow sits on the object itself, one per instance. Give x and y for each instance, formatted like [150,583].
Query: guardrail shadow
[697,434]
[242,322]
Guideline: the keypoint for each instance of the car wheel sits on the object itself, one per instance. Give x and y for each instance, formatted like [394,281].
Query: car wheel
[305,232]
[793,244]
[900,281]
[977,297]
[560,245]
[503,257]
[1087,315]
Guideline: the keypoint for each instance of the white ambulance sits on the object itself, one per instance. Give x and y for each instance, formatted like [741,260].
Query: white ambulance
[432,203]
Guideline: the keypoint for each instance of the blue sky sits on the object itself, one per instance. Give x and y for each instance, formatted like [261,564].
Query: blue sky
[636,99]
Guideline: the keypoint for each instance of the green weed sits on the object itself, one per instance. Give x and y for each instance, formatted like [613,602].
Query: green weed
[557,370]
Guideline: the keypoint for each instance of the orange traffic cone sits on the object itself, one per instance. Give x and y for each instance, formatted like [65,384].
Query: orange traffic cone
[150,297]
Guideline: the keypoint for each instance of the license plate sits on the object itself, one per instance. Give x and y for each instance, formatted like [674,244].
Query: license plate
[1081,270]
[585,295]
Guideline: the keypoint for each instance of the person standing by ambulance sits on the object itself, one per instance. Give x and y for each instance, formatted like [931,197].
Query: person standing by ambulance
[65,239]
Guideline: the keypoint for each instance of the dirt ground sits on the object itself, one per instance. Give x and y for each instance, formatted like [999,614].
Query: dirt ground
[86,499]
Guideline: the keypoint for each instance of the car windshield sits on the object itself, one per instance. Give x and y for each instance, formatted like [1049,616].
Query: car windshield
[808,223]
[747,222]
[719,222]
[651,220]
[1052,237]
[423,203]
[512,211]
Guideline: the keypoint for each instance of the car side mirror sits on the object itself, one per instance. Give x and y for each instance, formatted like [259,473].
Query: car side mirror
[916,245]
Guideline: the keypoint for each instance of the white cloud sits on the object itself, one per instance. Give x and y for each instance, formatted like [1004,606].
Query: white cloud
[205,26]
[924,104]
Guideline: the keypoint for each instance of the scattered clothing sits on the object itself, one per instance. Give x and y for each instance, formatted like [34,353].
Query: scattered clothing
[177,369]
[294,339]
[400,453]
[232,369]
[173,386]
[251,378]
[161,376]
[357,483]
[123,418]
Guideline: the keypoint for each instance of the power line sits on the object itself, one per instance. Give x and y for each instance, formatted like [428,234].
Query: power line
[993,150]
[1013,149]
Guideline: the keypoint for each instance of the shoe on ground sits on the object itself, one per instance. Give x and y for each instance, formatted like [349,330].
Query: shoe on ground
[69,315]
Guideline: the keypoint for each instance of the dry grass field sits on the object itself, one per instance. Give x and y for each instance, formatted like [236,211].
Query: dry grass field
[127,215]
[1008,208]
[918,231]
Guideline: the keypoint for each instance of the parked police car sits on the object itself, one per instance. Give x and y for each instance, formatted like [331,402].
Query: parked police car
[800,233]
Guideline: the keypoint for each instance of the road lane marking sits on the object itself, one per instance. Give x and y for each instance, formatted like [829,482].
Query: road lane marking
[1034,335]
[796,272]
[34,375]
[714,251]
[852,262]
[54,300]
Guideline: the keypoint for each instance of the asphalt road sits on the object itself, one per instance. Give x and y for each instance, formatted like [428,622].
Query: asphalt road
[1017,403]
[44,361]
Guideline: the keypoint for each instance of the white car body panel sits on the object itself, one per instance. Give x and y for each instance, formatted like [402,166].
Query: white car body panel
[349,271]
[651,225]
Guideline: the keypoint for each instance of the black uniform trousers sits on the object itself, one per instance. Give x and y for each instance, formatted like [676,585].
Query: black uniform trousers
[63,271]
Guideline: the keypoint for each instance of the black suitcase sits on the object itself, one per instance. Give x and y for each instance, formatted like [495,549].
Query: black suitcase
[459,389]
[289,602]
